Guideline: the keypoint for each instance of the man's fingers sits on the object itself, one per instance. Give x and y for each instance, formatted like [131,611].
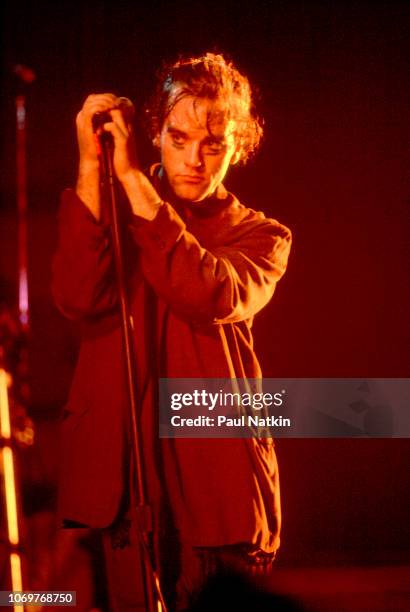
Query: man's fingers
[109,127]
[104,98]
[120,137]
[100,103]
[96,102]
[114,129]
[118,119]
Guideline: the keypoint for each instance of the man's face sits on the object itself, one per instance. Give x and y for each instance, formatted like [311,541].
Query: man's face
[197,146]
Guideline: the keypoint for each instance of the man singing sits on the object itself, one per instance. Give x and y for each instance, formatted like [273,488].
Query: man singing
[199,266]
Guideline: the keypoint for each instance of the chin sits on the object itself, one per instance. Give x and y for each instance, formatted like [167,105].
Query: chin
[192,195]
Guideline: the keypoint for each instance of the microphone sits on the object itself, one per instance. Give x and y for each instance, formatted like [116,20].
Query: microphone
[101,117]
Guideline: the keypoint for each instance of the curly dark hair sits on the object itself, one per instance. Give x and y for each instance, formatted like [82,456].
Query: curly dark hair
[208,76]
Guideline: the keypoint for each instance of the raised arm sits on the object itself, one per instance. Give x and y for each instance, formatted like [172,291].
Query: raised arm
[224,284]
[83,282]
[227,283]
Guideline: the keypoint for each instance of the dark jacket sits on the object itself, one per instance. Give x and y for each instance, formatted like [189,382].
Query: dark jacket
[196,278]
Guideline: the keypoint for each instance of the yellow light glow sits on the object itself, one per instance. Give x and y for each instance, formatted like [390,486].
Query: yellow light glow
[16,577]
[10,489]
[15,566]
[6,454]
[5,430]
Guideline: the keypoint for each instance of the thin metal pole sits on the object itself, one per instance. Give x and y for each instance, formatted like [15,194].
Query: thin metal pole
[23,302]
[153,593]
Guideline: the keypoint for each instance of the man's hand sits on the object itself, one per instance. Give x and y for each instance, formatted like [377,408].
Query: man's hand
[143,198]
[88,182]
[87,139]
[125,157]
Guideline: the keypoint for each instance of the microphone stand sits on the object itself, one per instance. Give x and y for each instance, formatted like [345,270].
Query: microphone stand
[153,594]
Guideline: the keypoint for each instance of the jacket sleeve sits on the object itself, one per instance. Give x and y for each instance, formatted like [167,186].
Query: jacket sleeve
[82,270]
[226,284]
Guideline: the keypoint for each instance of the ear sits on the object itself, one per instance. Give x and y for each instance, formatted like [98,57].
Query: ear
[156,141]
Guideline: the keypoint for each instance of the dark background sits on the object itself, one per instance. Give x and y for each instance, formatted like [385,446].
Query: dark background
[333,82]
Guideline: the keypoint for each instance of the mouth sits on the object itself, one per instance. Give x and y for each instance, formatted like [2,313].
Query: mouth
[189,178]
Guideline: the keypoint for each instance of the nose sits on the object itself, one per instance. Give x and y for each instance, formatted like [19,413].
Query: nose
[193,158]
